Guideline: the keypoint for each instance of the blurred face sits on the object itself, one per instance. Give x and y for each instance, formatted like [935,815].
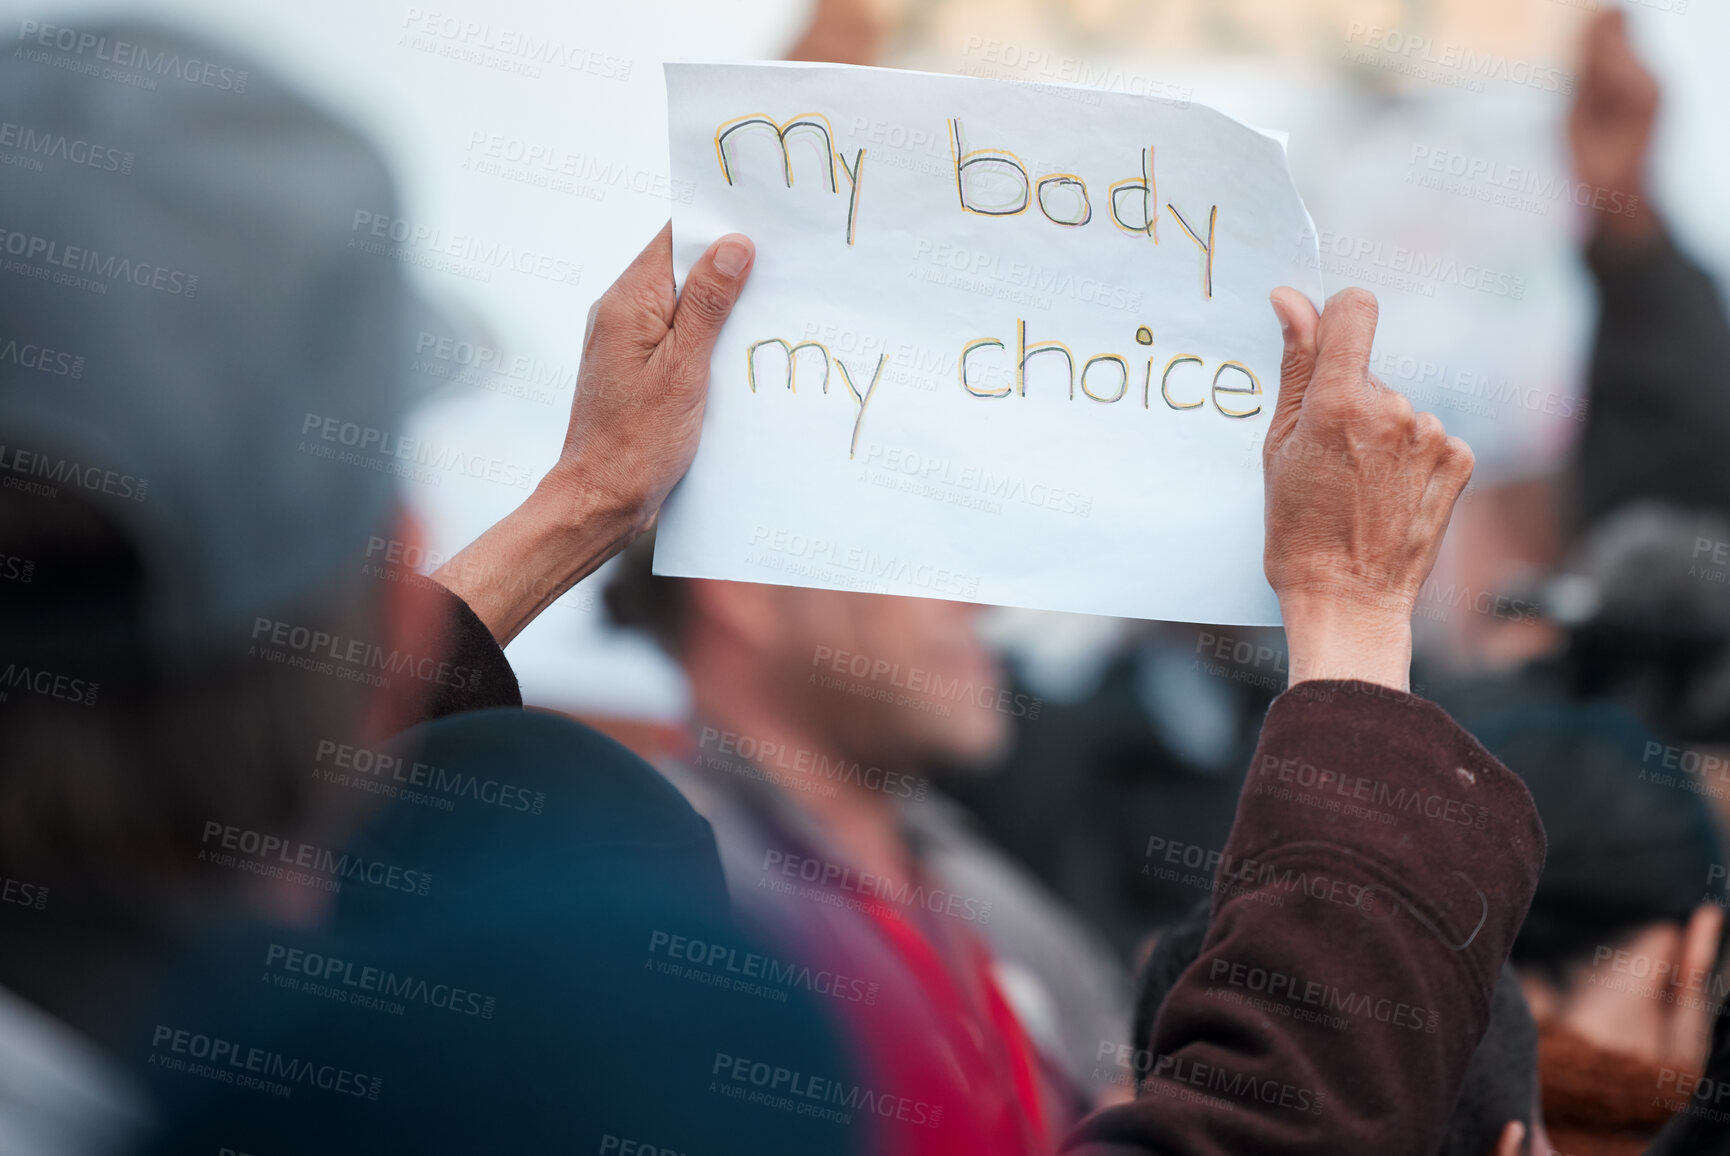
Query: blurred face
[886,679]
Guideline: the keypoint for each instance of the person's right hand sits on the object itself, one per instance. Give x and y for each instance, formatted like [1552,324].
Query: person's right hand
[1610,128]
[1359,492]
[644,379]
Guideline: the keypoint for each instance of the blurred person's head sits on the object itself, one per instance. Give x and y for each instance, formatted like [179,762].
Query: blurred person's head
[876,677]
[184,315]
[1496,1114]
[1623,938]
[1645,599]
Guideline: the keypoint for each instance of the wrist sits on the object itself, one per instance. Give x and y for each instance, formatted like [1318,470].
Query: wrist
[1620,209]
[572,496]
[569,505]
[559,535]
[562,532]
[1633,228]
[1339,639]
[1619,241]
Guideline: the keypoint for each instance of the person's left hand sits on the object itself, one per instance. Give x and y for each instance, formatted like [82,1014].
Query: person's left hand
[633,432]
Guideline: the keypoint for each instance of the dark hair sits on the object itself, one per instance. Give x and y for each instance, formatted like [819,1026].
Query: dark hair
[1501,1078]
[639,599]
[1625,850]
[107,778]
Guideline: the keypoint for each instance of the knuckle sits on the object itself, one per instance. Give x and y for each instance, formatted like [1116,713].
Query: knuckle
[617,321]
[1457,458]
[647,299]
[1400,411]
[608,305]
[708,300]
[621,305]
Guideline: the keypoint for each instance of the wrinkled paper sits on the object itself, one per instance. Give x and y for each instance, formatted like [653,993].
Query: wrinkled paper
[1003,342]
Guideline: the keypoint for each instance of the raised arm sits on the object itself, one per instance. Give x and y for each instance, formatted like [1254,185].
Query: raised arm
[1381,861]
[1659,396]
[633,431]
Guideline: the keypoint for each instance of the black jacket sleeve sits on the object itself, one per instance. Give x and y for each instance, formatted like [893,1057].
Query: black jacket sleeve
[481,675]
[1659,412]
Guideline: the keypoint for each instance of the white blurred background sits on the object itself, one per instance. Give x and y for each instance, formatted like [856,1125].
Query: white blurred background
[1360,134]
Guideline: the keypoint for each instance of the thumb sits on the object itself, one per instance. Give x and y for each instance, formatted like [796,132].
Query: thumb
[711,289]
[1297,322]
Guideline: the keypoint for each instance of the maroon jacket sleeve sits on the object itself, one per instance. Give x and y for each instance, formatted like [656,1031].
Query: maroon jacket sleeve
[1379,866]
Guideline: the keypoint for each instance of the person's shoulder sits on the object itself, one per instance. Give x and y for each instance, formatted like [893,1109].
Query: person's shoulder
[526,804]
[558,763]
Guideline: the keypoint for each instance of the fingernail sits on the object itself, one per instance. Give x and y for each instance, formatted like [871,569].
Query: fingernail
[732,255]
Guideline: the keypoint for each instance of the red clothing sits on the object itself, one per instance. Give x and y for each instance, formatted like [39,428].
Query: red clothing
[1378,851]
[946,1067]
[960,993]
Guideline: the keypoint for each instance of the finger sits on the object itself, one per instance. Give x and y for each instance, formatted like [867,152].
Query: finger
[1627,78]
[638,307]
[1614,76]
[1344,336]
[1601,34]
[1297,323]
[710,291]
[1400,411]
[1448,480]
[1606,31]
[1458,463]
[589,325]
[1378,387]
[1428,434]
[651,271]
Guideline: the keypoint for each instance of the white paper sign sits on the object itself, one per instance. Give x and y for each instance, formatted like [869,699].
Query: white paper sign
[1003,343]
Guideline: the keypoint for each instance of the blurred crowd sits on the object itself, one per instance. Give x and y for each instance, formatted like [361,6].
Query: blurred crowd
[286,867]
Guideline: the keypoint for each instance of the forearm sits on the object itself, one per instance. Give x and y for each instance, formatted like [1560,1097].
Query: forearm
[558,536]
[1655,423]
[1650,287]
